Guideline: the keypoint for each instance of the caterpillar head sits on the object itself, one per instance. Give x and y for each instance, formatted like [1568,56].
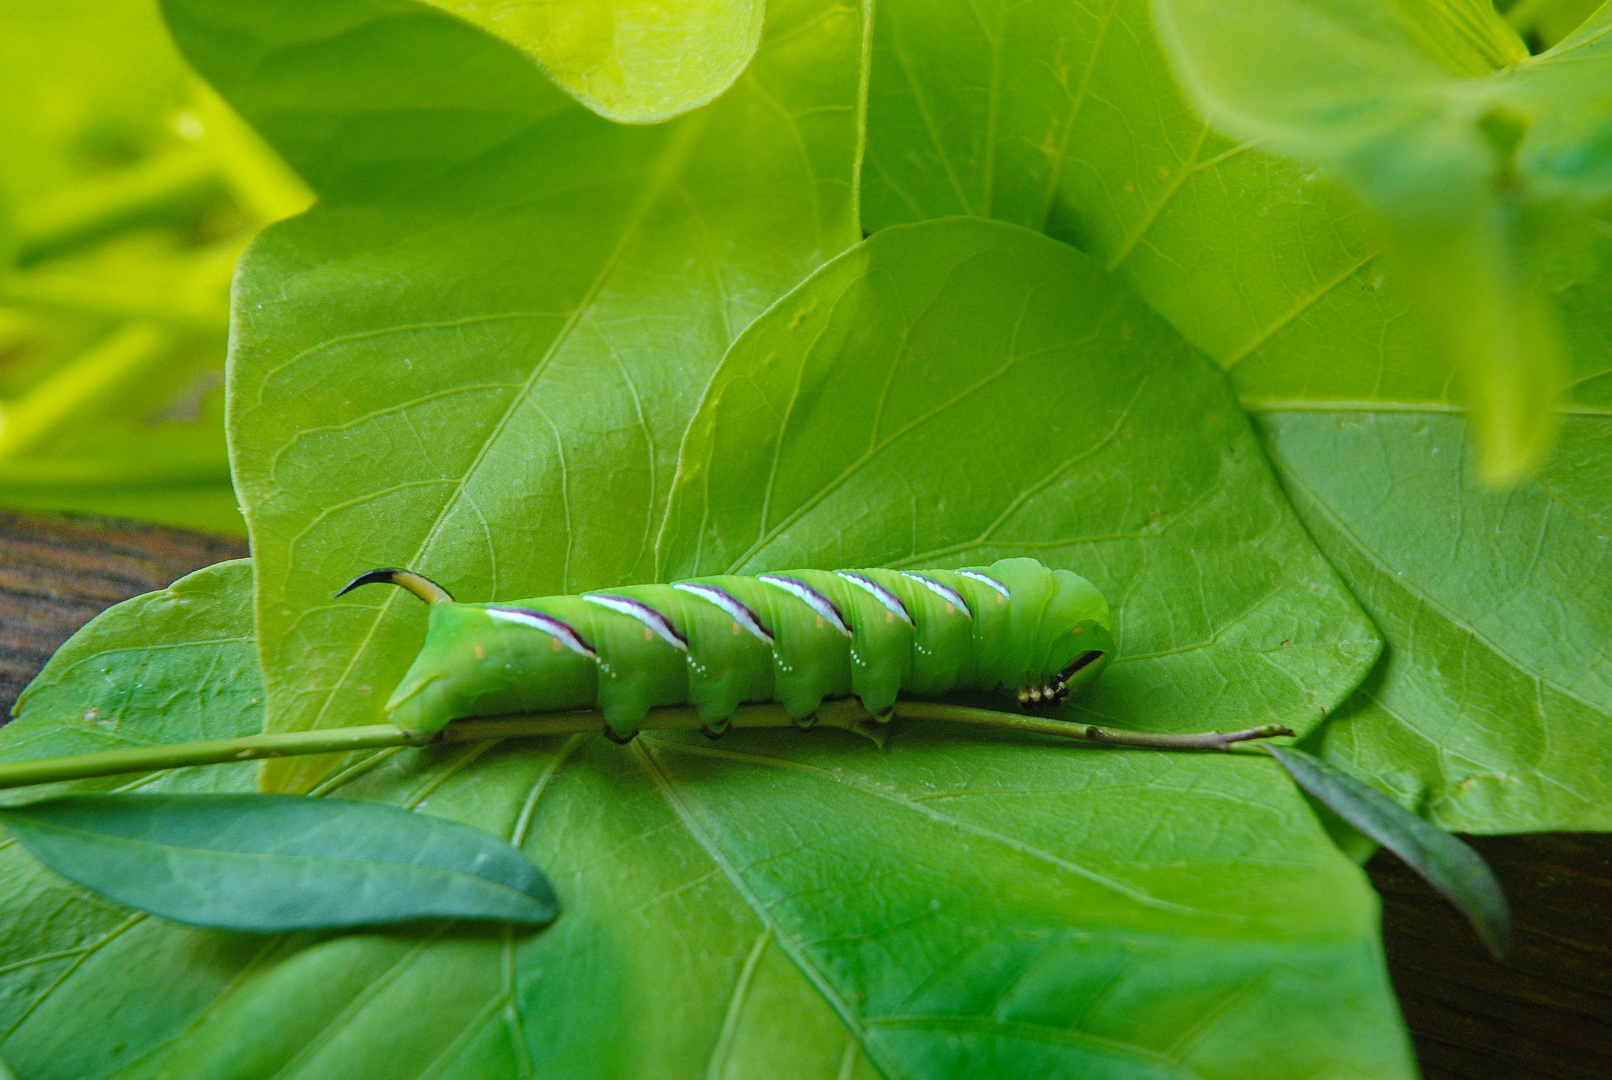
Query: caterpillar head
[1073,642]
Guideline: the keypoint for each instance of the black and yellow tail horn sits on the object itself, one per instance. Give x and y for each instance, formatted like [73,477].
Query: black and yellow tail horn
[418,584]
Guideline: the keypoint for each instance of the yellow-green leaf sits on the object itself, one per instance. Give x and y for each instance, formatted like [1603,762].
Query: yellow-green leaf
[635,61]
[556,291]
[1471,156]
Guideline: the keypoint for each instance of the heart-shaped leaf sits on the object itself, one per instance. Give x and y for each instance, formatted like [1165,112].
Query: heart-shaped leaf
[852,425]
[429,373]
[790,901]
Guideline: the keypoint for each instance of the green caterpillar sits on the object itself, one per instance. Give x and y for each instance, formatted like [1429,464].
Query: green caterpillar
[795,637]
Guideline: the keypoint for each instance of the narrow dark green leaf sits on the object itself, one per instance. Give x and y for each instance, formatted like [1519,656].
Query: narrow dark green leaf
[1447,864]
[267,863]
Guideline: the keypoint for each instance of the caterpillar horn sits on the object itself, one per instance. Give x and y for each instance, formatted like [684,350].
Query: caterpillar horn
[418,584]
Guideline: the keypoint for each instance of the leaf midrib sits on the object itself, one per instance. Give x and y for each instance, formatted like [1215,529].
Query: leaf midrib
[763,914]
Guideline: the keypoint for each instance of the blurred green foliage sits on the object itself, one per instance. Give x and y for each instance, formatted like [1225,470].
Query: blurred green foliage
[1542,23]
[1484,169]
[127,191]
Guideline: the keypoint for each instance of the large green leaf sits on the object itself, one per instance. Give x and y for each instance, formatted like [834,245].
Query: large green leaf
[479,358]
[636,61]
[847,430]
[1265,266]
[1492,709]
[789,903]
[1468,152]
[1065,117]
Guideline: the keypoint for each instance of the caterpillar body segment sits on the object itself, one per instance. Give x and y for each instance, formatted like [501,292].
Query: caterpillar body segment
[796,637]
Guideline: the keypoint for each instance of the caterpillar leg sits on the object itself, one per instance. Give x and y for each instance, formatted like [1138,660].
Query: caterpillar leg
[712,733]
[622,716]
[802,709]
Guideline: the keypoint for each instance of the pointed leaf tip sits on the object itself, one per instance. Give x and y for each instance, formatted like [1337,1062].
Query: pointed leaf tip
[269,863]
[1446,863]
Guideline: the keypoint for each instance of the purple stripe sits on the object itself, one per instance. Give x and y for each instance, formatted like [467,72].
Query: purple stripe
[815,600]
[950,595]
[546,623]
[892,603]
[729,604]
[626,605]
[975,575]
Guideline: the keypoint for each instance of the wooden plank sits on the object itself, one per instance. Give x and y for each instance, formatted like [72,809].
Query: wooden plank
[56,574]
[1545,1013]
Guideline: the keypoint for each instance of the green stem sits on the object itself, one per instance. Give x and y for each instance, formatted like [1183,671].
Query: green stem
[99,374]
[188,470]
[202,310]
[257,177]
[1002,721]
[846,714]
[158,186]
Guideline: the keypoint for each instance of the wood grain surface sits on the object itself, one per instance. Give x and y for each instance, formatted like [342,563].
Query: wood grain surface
[1545,1013]
[56,574]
